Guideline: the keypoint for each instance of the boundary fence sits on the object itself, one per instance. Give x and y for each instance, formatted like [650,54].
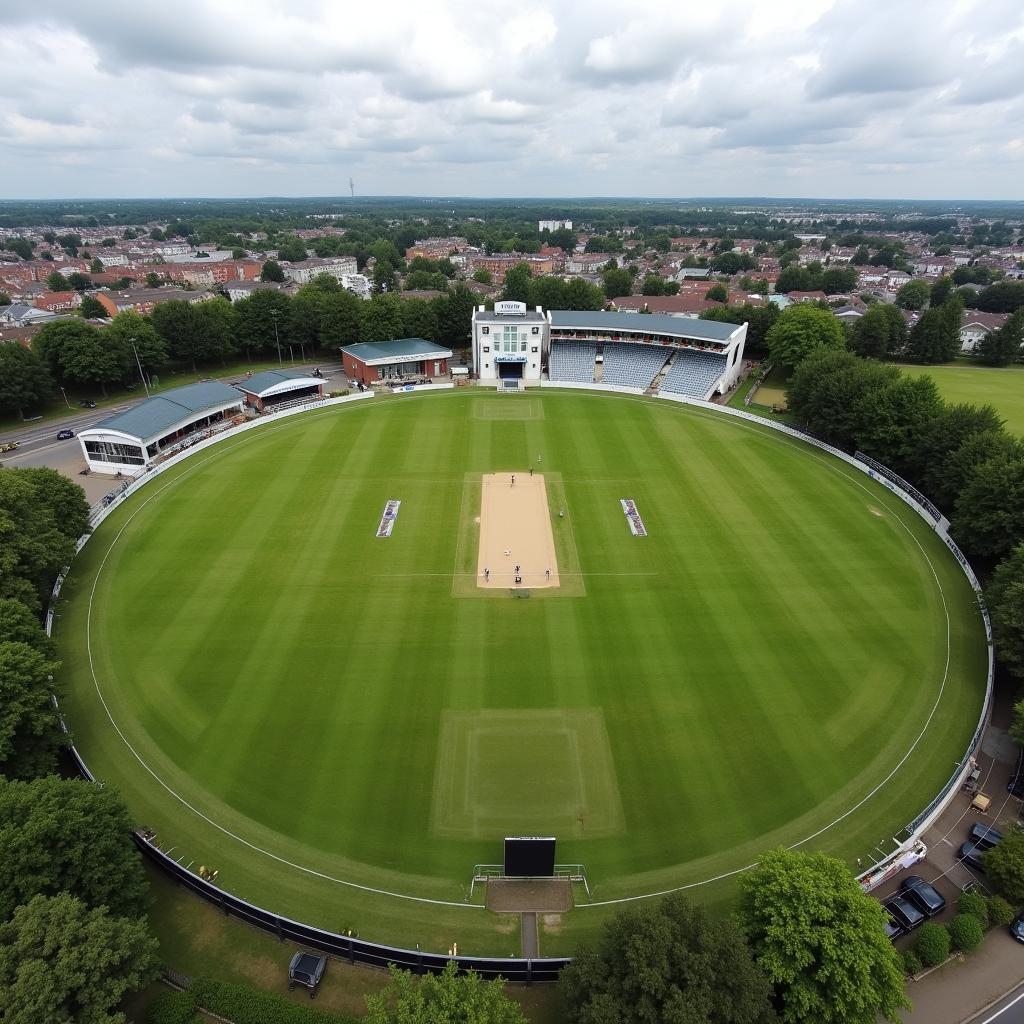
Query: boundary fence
[516,969]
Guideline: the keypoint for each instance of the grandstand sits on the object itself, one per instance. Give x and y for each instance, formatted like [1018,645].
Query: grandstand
[631,366]
[695,374]
[573,361]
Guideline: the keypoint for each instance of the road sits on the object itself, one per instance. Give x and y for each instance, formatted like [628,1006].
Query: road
[34,437]
[38,444]
[1008,1010]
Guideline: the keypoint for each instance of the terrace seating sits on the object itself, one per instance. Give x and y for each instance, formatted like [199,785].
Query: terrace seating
[572,361]
[694,373]
[632,366]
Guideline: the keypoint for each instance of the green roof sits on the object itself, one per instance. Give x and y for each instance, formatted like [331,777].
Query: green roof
[368,351]
[260,382]
[155,415]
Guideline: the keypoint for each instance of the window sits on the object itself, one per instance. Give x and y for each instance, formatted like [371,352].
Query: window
[522,346]
[485,330]
[534,350]
[110,451]
[535,330]
[487,348]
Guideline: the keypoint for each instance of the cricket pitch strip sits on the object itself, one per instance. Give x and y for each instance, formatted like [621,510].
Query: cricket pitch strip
[515,531]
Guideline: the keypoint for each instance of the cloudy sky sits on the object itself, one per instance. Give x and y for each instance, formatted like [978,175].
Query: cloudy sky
[872,98]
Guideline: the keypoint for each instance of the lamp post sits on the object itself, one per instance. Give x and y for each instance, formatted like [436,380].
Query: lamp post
[138,363]
[65,394]
[274,314]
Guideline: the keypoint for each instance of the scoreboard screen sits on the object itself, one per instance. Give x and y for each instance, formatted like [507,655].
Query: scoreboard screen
[529,857]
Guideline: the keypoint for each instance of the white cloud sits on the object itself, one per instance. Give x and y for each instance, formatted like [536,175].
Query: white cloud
[225,97]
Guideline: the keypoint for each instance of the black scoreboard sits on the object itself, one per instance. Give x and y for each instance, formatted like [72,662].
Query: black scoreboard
[529,856]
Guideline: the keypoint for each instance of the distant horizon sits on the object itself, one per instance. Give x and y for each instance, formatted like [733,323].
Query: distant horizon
[467,197]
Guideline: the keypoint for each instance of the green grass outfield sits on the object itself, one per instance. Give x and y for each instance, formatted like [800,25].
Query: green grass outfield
[1002,387]
[348,709]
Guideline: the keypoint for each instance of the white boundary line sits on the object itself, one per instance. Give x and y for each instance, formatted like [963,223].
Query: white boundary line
[768,433]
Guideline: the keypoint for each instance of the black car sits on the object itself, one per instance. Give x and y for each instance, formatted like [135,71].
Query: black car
[86,404]
[903,914]
[971,854]
[306,969]
[1017,927]
[923,895]
[65,435]
[985,836]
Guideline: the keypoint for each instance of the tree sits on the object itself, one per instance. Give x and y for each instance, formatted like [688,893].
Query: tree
[25,382]
[1003,345]
[879,333]
[384,277]
[19,625]
[837,280]
[966,932]
[935,338]
[893,418]
[60,961]
[989,513]
[455,316]
[963,463]
[217,326]
[420,319]
[653,284]
[32,547]
[516,286]
[759,321]
[861,257]
[85,357]
[272,271]
[548,293]
[483,275]
[153,279]
[913,295]
[1005,599]
[20,247]
[79,281]
[339,318]
[177,323]
[91,309]
[821,940]
[130,329]
[582,295]
[801,330]
[941,290]
[96,266]
[942,436]
[292,249]
[1001,297]
[259,320]
[717,293]
[30,732]
[67,835]
[1004,865]
[381,319]
[617,282]
[61,497]
[57,282]
[670,961]
[446,998]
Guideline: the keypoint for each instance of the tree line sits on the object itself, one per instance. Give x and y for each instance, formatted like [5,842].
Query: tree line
[321,316]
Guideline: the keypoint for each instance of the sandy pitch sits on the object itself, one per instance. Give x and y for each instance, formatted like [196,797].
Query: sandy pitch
[516,519]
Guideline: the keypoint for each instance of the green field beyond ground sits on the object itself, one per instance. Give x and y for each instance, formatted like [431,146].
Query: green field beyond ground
[1002,387]
[353,709]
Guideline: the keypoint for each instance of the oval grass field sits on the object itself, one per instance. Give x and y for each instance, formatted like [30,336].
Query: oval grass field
[790,653]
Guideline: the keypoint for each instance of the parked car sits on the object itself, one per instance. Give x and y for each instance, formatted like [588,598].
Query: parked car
[9,446]
[306,969]
[65,435]
[971,854]
[1017,927]
[86,404]
[903,914]
[923,895]
[985,836]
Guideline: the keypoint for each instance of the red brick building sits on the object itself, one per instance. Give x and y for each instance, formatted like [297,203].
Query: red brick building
[396,361]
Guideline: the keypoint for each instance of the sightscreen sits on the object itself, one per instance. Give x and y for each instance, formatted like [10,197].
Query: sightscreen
[529,856]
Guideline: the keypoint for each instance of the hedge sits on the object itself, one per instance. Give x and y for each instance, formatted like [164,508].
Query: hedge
[966,931]
[973,903]
[999,911]
[932,944]
[245,1005]
[172,1008]
[911,962]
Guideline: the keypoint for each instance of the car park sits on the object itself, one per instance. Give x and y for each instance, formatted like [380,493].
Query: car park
[971,855]
[65,435]
[903,914]
[306,969]
[1017,927]
[9,446]
[923,895]
[985,836]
